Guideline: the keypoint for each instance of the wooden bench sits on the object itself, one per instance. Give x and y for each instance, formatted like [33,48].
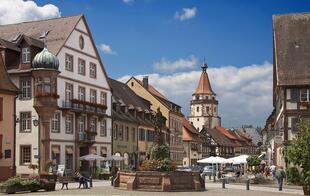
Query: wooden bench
[65,180]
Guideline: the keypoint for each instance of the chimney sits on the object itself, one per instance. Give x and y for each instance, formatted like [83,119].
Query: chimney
[145,82]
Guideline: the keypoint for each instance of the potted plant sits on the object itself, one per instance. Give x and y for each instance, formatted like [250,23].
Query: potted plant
[298,153]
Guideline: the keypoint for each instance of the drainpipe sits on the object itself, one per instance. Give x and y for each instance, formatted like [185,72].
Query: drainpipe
[39,144]
[14,138]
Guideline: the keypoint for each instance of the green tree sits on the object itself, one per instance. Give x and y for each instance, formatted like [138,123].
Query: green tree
[253,162]
[298,152]
[159,152]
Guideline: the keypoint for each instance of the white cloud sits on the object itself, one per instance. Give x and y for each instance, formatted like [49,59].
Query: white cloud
[244,94]
[15,11]
[185,14]
[105,48]
[128,1]
[166,65]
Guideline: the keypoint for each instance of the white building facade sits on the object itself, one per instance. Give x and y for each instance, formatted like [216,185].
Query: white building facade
[82,123]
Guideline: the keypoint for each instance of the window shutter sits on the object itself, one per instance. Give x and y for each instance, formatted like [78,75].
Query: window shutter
[1,108]
[295,94]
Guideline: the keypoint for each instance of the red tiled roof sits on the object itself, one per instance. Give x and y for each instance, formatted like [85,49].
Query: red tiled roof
[204,86]
[189,132]
[226,132]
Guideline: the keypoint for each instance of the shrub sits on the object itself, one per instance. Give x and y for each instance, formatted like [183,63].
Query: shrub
[17,181]
[167,165]
[150,165]
[298,152]
[14,181]
[159,152]
[158,165]
[253,162]
[293,175]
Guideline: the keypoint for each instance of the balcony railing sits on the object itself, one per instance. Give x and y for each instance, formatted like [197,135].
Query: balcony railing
[86,138]
[81,107]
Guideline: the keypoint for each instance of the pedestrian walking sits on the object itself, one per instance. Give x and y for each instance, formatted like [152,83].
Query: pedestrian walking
[114,171]
[280,174]
[273,171]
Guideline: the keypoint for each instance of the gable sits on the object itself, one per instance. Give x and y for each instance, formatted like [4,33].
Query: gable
[73,41]
[88,53]
[81,26]
[142,92]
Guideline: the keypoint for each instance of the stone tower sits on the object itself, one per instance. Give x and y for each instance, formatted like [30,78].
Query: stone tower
[204,106]
[45,71]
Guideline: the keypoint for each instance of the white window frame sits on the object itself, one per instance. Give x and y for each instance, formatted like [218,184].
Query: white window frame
[93,124]
[103,98]
[93,96]
[81,124]
[82,93]
[69,123]
[25,86]
[22,154]
[25,121]
[92,70]
[26,55]
[69,62]
[69,91]
[103,128]
[55,123]
[81,66]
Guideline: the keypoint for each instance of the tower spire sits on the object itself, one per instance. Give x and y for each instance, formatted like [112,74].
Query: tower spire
[204,65]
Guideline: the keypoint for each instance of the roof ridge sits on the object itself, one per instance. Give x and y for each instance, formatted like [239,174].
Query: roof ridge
[33,21]
[292,13]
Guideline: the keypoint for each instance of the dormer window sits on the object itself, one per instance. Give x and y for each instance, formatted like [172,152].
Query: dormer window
[25,55]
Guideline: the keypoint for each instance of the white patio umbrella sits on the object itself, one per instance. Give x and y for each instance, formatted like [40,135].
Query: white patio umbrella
[92,157]
[114,158]
[213,160]
[242,159]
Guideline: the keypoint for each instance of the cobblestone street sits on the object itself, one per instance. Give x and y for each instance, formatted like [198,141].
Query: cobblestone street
[213,189]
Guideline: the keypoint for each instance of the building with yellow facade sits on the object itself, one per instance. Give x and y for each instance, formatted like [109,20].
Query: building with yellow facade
[171,111]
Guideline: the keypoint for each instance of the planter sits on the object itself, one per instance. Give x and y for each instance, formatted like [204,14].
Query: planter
[306,189]
[160,181]
[19,188]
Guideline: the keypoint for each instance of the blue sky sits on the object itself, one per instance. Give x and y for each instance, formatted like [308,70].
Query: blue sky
[168,39]
[237,32]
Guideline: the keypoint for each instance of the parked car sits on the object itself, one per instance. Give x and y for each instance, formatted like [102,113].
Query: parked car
[229,169]
[208,171]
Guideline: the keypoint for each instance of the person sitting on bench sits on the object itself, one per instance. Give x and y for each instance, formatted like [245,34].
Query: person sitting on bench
[82,180]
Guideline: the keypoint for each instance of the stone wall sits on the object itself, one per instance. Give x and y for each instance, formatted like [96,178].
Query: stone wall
[160,181]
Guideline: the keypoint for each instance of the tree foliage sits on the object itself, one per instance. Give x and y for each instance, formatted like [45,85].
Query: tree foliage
[298,152]
[159,152]
[253,161]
